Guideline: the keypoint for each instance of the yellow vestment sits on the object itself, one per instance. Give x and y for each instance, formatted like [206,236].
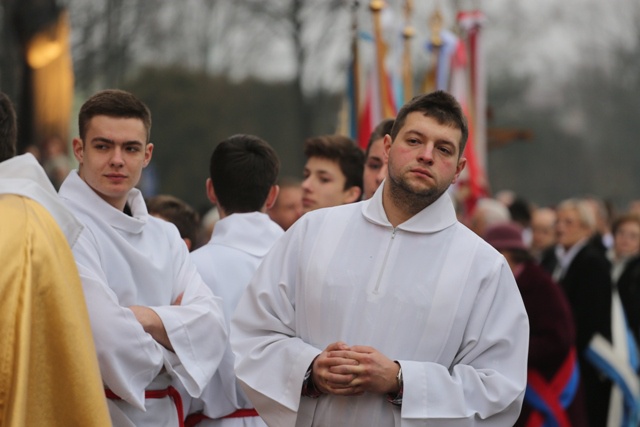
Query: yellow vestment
[49,373]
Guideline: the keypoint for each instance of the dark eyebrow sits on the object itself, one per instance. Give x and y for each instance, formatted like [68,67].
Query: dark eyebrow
[318,171]
[110,141]
[101,139]
[133,143]
[422,135]
[415,132]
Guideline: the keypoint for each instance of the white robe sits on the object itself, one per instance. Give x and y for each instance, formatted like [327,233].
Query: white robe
[141,260]
[429,293]
[23,175]
[226,264]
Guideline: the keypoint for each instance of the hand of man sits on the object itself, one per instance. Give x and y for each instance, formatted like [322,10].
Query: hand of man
[178,300]
[351,371]
[152,324]
[373,371]
[327,381]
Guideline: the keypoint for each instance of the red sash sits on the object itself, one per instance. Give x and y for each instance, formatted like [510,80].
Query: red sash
[241,413]
[550,393]
[193,419]
[158,394]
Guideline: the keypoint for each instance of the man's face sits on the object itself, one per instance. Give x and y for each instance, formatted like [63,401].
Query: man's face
[424,159]
[288,207]
[323,185]
[112,156]
[543,232]
[375,168]
[569,229]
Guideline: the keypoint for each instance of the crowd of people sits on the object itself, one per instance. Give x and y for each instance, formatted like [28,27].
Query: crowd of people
[358,295]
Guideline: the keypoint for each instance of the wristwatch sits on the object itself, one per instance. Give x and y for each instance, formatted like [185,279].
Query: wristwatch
[399,377]
[396,399]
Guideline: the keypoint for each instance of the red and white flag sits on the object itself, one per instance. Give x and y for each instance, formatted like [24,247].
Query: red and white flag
[468,85]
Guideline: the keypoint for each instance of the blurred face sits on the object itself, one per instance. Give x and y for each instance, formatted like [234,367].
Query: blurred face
[478,222]
[375,168]
[112,156]
[543,229]
[634,207]
[626,241]
[424,158]
[569,229]
[323,185]
[288,207]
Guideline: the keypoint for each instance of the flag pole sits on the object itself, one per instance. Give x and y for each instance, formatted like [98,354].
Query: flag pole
[407,34]
[429,82]
[376,7]
[350,110]
[355,70]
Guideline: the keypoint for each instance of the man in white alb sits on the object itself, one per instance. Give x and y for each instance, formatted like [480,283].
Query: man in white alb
[154,321]
[242,184]
[388,312]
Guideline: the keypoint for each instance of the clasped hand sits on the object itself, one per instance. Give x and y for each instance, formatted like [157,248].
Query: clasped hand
[353,370]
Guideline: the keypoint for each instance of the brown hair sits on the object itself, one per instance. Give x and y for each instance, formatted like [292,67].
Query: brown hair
[383,128]
[342,150]
[439,105]
[177,212]
[113,103]
[622,219]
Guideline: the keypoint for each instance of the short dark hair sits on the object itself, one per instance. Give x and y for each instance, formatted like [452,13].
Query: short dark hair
[8,128]
[113,103]
[243,168]
[383,128]
[177,212]
[342,150]
[439,105]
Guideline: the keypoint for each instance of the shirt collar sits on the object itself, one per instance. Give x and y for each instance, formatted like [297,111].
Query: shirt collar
[435,217]
[252,232]
[87,200]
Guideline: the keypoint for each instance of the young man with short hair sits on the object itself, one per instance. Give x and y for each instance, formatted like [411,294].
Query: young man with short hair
[242,184]
[387,312]
[333,172]
[154,320]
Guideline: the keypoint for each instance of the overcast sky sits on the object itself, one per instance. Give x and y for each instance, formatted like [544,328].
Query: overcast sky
[542,39]
[547,39]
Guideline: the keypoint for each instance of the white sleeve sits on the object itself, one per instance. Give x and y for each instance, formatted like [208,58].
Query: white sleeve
[197,328]
[129,358]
